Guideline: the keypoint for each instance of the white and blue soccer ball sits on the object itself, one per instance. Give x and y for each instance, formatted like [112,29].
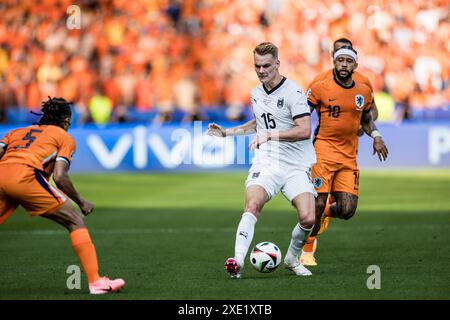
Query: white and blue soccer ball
[265,257]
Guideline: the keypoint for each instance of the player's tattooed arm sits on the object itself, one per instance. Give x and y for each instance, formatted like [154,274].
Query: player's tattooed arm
[244,129]
[374,111]
[367,123]
[369,127]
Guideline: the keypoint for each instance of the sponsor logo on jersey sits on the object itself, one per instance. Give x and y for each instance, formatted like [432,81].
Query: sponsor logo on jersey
[280,103]
[308,92]
[359,100]
[255,175]
[317,182]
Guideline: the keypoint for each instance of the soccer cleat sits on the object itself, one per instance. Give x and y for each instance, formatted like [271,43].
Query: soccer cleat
[105,285]
[297,268]
[307,259]
[233,268]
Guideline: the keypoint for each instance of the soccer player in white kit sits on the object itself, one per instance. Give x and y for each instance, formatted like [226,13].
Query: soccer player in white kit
[284,155]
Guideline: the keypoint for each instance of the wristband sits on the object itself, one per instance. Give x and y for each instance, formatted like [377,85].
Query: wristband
[375,133]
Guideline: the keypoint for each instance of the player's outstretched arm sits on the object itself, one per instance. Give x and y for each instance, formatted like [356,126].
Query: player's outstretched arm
[369,127]
[219,131]
[301,131]
[62,180]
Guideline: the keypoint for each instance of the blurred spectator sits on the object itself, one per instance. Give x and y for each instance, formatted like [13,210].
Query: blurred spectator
[7,99]
[428,72]
[187,54]
[385,105]
[186,98]
[100,107]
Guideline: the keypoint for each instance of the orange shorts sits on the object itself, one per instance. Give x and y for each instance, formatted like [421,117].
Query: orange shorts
[329,177]
[23,185]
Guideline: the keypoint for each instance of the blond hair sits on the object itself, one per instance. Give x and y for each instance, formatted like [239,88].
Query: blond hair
[266,48]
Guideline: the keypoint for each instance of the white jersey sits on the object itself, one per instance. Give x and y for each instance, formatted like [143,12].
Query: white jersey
[276,110]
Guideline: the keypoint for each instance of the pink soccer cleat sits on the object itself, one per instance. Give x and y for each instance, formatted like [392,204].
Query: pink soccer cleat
[233,268]
[105,285]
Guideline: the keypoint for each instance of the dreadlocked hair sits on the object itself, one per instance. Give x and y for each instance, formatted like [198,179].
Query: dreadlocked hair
[55,111]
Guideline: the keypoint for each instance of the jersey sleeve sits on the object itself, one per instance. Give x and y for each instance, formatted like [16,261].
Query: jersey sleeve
[369,101]
[66,149]
[368,83]
[368,105]
[299,105]
[313,95]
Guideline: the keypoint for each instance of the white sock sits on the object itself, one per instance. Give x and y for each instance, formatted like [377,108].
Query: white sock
[298,240]
[244,236]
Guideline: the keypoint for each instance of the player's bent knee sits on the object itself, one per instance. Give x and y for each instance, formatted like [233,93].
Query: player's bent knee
[76,223]
[253,207]
[69,217]
[346,215]
[308,220]
[346,212]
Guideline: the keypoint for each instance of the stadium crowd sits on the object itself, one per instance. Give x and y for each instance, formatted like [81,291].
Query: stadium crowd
[146,58]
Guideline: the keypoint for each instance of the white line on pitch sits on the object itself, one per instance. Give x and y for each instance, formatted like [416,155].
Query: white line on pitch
[214,230]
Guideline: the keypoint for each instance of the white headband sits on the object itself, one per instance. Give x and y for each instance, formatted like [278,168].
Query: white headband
[347,52]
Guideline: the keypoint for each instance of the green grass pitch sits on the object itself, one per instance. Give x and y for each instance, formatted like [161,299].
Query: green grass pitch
[168,236]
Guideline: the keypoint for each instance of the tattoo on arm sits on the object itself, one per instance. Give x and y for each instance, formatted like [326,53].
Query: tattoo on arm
[367,123]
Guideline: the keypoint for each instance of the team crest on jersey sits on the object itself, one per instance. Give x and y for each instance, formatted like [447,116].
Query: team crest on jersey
[280,103]
[317,182]
[359,100]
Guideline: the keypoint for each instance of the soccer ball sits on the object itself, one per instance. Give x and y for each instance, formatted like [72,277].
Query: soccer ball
[265,257]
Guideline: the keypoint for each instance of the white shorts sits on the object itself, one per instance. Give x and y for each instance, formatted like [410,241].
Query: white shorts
[291,181]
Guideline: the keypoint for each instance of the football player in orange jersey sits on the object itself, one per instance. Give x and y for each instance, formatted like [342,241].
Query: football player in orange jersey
[358,77]
[25,154]
[311,245]
[343,105]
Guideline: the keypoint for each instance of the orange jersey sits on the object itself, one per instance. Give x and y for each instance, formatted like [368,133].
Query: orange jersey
[339,110]
[358,77]
[38,146]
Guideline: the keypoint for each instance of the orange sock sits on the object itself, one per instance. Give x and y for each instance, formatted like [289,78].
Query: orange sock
[309,246]
[85,250]
[327,210]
